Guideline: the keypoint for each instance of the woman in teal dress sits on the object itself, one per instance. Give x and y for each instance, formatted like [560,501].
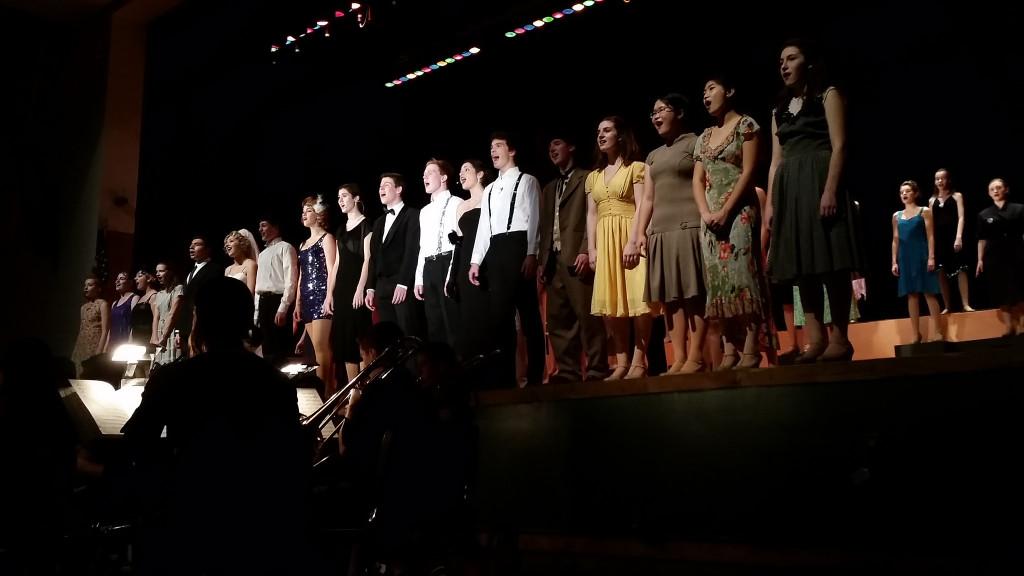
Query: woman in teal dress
[726,155]
[913,259]
[808,211]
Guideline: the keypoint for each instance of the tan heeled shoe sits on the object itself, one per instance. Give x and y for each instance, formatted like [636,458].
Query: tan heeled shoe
[618,374]
[752,360]
[636,371]
[728,362]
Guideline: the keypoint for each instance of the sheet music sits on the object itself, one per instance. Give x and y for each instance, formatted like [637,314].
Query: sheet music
[309,400]
[109,408]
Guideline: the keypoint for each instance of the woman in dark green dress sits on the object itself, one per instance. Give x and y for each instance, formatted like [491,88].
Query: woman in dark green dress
[809,213]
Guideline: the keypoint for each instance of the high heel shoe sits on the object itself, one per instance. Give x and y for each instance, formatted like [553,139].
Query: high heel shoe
[837,353]
[752,360]
[675,367]
[691,367]
[636,371]
[618,373]
[789,357]
[810,354]
[728,361]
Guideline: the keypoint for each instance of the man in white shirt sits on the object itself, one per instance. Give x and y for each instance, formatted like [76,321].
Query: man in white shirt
[277,275]
[506,246]
[394,250]
[437,219]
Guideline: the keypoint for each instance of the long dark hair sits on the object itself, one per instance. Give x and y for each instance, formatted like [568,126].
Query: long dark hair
[815,76]
[479,167]
[629,150]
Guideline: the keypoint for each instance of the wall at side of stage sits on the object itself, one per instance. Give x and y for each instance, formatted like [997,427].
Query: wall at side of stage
[51,114]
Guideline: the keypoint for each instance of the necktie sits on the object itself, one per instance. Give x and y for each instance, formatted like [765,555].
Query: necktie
[556,235]
[390,211]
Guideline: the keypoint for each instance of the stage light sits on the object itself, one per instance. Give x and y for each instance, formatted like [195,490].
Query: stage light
[557,15]
[529,27]
[474,50]
[339,14]
[309,30]
[355,6]
[567,11]
[128,353]
[588,3]
[457,56]
[389,85]
[538,23]
[520,30]
[275,48]
[450,60]
[510,34]
[425,69]
[548,19]
[321,22]
[434,66]
[577,7]
[290,39]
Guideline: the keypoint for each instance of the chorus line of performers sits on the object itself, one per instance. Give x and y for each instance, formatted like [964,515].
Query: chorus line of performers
[682,233]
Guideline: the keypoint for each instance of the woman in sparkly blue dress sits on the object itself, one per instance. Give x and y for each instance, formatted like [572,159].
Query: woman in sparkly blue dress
[316,258]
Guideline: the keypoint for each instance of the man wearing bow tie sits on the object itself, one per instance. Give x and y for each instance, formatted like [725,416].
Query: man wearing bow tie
[203,269]
[394,248]
[565,271]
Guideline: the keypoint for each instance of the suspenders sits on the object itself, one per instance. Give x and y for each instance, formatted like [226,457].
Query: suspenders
[511,207]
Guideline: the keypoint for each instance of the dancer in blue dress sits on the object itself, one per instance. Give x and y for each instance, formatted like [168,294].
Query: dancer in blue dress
[913,259]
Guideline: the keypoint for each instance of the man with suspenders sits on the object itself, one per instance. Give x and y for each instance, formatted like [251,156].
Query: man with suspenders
[437,219]
[506,247]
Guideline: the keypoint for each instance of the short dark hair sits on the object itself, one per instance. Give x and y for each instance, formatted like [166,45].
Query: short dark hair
[272,220]
[202,236]
[564,137]
[679,103]
[504,137]
[395,177]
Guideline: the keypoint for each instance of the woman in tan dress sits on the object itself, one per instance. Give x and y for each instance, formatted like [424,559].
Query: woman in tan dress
[94,327]
[669,229]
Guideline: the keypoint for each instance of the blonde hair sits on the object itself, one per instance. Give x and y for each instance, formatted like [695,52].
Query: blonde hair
[243,243]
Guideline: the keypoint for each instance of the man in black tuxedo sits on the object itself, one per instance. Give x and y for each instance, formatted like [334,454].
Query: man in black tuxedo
[203,269]
[394,248]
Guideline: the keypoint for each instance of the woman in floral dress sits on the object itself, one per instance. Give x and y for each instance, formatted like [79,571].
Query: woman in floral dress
[726,155]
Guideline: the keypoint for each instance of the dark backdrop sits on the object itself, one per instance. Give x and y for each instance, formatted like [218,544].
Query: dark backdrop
[229,134]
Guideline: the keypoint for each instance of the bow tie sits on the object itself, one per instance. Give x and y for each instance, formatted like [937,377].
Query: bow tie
[390,211]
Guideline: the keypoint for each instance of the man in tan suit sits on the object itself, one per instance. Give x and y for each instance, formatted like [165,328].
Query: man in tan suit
[565,271]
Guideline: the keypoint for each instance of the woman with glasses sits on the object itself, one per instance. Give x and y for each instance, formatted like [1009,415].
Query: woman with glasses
[669,228]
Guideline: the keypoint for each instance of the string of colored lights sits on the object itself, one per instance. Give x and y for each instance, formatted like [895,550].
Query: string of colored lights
[536,24]
[362,13]
[541,22]
[433,67]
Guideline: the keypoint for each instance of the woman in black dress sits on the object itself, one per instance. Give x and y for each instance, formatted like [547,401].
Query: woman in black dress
[808,209]
[348,281]
[472,299]
[1001,254]
[948,212]
[142,312]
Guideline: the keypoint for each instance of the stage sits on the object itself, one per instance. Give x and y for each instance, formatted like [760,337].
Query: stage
[880,463]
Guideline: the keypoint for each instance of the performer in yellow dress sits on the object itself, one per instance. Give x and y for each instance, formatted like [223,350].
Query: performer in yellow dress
[611,216]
